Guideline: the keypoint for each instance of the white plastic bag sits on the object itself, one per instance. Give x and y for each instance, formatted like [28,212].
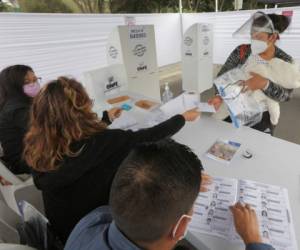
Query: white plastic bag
[244,110]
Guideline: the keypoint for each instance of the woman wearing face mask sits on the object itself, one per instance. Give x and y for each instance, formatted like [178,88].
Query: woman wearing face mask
[18,85]
[265,30]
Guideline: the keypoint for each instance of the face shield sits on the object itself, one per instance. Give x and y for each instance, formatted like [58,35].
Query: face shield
[258,22]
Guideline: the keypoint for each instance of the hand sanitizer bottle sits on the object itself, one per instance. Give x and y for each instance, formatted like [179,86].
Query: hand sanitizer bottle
[167,94]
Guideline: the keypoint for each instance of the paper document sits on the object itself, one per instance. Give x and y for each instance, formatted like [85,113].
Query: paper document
[125,121]
[180,104]
[205,107]
[223,151]
[271,203]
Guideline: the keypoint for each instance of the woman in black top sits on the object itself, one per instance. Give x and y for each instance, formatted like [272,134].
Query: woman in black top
[240,55]
[18,84]
[73,154]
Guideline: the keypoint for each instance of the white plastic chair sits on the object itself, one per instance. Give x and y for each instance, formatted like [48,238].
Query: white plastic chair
[28,192]
[8,224]
[4,246]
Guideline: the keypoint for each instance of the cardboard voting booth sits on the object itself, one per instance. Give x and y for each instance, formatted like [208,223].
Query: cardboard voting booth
[104,82]
[134,48]
[197,58]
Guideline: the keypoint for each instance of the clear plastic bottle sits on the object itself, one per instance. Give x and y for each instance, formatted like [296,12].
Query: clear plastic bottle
[167,94]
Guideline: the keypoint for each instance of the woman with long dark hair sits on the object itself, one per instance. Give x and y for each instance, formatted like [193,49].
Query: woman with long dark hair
[18,85]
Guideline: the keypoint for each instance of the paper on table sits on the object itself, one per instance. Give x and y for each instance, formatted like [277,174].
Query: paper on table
[125,121]
[180,104]
[190,100]
[205,107]
[174,107]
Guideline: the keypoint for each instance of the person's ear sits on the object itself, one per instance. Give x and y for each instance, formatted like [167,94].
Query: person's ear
[273,38]
[178,231]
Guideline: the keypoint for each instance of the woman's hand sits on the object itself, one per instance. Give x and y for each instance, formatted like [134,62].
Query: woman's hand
[216,101]
[255,82]
[114,113]
[206,180]
[191,115]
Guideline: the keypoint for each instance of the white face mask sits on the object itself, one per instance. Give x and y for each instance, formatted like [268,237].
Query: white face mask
[258,46]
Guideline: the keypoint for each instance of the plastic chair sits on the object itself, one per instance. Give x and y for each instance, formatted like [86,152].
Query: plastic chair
[8,224]
[28,192]
[4,246]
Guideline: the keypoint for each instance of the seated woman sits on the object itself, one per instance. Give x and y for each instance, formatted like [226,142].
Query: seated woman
[74,156]
[18,85]
[264,30]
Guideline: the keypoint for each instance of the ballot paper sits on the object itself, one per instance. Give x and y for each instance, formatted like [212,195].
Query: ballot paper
[212,215]
[180,104]
[206,108]
[125,121]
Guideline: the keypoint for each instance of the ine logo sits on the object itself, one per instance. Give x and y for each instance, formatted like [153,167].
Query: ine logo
[142,67]
[113,52]
[188,41]
[112,84]
[139,50]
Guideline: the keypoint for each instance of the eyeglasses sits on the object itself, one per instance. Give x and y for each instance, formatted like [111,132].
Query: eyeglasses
[38,80]
[232,88]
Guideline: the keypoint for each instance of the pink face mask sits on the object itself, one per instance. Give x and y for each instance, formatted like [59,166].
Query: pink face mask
[31,89]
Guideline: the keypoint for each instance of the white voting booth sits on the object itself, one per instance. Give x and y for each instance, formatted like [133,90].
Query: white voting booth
[197,58]
[131,56]
[134,47]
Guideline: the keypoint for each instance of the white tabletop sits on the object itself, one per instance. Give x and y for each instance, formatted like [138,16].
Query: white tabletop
[274,161]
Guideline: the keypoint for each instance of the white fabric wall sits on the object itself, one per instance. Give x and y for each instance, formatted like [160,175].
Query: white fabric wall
[64,44]
[69,44]
[225,23]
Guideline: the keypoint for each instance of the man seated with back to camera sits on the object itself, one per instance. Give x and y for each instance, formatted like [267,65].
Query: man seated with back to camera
[151,204]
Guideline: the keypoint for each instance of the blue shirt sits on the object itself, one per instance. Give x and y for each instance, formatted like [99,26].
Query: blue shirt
[98,231]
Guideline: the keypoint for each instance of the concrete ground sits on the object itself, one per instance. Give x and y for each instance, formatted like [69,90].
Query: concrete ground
[289,123]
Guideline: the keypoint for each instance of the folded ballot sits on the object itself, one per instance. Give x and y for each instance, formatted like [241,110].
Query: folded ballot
[184,102]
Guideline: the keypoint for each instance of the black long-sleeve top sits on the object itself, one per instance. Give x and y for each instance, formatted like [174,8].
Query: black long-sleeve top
[14,117]
[82,183]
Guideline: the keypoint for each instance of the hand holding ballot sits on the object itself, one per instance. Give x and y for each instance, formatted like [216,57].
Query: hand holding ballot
[216,101]
[186,102]
[191,115]
[114,113]
[246,223]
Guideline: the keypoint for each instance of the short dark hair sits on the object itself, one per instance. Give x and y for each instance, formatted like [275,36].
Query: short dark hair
[12,80]
[154,186]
